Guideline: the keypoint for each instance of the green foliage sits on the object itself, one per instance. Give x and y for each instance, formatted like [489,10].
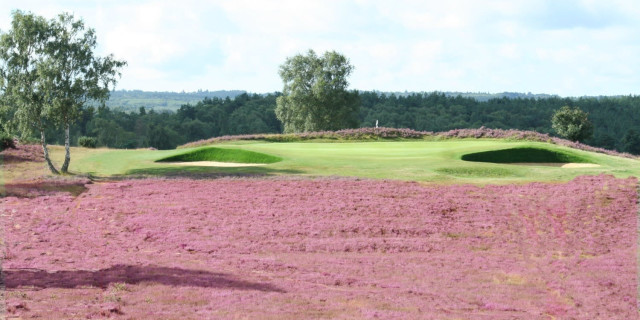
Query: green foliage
[222,155]
[631,142]
[73,75]
[6,141]
[315,96]
[87,142]
[613,117]
[572,123]
[163,138]
[49,72]
[524,154]
[166,130]
[22,51]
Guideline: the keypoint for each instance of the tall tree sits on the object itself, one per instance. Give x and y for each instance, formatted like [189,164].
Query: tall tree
[572,123]
[22,51]
[631,142]
[73,75]
[315,95]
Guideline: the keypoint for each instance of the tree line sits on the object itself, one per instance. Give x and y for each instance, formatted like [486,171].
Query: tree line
[211,117]
[616,119]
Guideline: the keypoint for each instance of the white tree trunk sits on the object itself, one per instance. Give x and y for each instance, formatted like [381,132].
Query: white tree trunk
[67,155]
[46,153]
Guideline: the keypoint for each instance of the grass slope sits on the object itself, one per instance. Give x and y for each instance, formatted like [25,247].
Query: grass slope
[435,161]
[222,155]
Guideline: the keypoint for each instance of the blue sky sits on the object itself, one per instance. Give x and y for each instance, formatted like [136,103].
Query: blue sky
[565,47]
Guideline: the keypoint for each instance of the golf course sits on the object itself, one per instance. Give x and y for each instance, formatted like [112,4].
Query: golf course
[378,228]
[425,161]
[287,160]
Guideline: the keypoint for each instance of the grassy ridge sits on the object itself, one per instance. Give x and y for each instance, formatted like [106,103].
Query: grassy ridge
[222,155]
[395,134]
[416,160]
[525,154]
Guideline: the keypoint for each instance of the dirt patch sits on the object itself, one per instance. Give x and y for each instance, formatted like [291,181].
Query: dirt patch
[216,164]
[559,165]
[32,189]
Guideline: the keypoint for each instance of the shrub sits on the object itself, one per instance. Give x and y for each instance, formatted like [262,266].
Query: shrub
[87,142]
[572,124]
[6,141]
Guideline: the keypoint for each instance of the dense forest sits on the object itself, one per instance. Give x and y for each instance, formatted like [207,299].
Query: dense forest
[616,119]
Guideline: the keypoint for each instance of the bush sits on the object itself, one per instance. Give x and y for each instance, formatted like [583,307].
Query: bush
[87,142]
[572,124]
[6,141]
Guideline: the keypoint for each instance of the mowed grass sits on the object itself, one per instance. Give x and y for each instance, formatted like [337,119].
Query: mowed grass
[221,155]
[435,161]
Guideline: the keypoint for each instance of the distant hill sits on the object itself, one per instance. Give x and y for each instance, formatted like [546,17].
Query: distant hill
[480,96]
[132,100]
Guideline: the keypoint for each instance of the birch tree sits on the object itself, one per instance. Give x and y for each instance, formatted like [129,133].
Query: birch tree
[73,74]
[49,71]
[22,51]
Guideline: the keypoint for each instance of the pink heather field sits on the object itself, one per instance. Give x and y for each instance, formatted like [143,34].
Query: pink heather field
[292,248]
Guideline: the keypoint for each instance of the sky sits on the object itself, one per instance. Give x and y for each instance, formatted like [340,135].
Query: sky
[563,47]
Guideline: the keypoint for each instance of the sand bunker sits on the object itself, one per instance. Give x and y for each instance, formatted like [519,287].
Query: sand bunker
[216,164]
[580,165]
[561,165]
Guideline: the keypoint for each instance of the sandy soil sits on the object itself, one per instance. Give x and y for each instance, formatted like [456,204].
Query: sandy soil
[561,165]
[580,165]
[216,164]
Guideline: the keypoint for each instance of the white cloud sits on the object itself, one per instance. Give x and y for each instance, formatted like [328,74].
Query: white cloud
[572,47]
[283,16]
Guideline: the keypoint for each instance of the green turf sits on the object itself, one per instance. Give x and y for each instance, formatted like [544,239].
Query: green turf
[221,155]
[525,154]
[435,161]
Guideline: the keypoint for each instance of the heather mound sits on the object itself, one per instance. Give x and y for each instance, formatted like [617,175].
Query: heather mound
[525,155]
[222,155]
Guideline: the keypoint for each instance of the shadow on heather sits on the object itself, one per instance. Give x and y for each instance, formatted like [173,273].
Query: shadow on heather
[128,274]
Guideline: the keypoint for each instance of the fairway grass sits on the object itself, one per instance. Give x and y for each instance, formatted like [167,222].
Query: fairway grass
[221,155]
[428,161]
